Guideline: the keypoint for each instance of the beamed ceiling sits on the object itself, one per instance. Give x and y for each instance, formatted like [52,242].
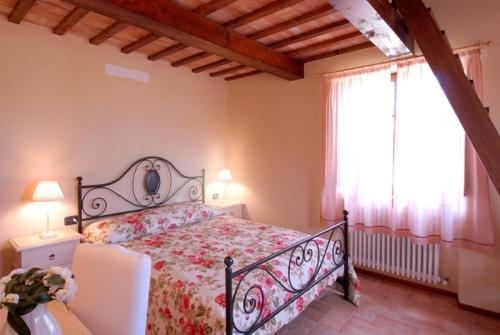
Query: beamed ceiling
[281,34]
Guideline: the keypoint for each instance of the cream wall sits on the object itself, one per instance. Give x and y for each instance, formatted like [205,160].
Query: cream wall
[275,133]
[61,117]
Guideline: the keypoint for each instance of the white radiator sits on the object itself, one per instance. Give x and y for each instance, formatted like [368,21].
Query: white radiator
[395,255]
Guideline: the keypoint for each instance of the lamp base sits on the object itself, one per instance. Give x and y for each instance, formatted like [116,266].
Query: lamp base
[47,234]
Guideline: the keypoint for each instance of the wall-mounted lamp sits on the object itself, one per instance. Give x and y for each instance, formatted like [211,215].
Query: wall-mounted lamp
[47,191]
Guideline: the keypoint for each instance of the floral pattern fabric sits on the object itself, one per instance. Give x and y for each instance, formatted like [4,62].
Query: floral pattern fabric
[187,292]
[126,227]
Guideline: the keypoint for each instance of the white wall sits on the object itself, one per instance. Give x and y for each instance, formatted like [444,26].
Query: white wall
[275,142]
[61,117]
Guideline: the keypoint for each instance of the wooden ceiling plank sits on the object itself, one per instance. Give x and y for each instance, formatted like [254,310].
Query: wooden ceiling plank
[20,10]
[261,12]
[212,65]
[227,71]
[341,51]
[70,20]
[141,42]
[312,15]
[193,58]
[455,84]
[167,51]
[311,34]
[243,75]
[307,17]
[107,33]
[167,18]
[379,21]
[213,6]
[323,44]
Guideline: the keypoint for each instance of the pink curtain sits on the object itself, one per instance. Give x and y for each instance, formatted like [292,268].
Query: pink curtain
[403,173]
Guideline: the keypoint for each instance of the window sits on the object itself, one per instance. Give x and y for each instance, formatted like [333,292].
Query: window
[395,154]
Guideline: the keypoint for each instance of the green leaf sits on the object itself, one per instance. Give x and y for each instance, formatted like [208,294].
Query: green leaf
[56,280]
[28,274]
[18,324]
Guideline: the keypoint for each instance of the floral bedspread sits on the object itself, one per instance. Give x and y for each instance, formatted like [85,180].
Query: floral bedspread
[188,276]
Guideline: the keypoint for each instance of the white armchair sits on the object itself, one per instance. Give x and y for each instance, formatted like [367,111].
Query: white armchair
[113,287]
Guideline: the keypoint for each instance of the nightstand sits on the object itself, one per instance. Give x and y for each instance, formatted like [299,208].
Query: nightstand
[231,208]
[32,251]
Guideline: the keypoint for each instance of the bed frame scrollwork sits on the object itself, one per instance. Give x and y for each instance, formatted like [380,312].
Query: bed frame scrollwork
[304,252]
[149,182]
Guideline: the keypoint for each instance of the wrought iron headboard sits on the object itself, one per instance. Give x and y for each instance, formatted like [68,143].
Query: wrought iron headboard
[149,182]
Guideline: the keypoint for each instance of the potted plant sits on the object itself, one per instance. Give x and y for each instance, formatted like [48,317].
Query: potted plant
[25,293]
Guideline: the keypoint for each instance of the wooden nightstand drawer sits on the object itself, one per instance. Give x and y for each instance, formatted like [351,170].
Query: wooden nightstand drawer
[32,251]
[46,256]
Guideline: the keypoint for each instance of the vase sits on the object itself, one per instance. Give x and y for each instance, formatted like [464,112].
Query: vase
[40,322]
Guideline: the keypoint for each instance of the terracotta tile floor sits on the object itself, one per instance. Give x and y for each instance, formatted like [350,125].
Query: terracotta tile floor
[389,308]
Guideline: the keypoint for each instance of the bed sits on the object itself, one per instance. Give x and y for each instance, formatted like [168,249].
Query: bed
[212,274]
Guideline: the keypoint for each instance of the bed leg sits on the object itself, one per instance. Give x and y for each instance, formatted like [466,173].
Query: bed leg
[228,261]
[345,283]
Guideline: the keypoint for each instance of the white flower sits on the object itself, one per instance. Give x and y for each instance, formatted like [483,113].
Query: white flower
[11,298]
[70,286]
[63,296]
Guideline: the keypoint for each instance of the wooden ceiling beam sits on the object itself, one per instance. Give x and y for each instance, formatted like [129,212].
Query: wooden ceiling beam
[166,18]
[20,10]
[213,6]
[455,84]
[255,15]
[307,17]
[193,58]
[311,34]
[261,12]
[312,15]
[243,75]
[341,51]
[204,9]
[212,65]
[379,21]
[143,41]
[70,20]
[227,71]
[167,51]
[324,44]
[107,33]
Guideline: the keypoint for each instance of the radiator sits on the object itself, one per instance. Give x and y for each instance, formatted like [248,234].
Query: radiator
[395,255]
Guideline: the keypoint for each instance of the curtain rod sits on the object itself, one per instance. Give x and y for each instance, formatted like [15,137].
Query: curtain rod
[403,58]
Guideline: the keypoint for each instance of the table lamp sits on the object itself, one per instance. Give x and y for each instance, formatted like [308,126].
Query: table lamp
[47,191]
[225,176]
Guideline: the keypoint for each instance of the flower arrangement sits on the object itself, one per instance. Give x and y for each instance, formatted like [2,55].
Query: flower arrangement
[22,290]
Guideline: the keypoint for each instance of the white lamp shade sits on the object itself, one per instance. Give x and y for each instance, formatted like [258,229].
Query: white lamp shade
[225,175]
[47,191]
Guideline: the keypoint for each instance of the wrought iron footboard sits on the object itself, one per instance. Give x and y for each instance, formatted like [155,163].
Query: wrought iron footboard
[303,252]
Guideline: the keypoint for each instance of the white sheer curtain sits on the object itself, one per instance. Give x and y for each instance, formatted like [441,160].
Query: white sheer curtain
[429,156]
[397,158]
[361,120]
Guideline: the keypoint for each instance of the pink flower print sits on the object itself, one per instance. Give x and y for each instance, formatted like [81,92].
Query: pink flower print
[165,313]
[268,282]
[221,300]
[300,304]
[159,265]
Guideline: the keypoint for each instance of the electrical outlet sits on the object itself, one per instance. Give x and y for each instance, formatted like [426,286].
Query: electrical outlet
[70,220]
